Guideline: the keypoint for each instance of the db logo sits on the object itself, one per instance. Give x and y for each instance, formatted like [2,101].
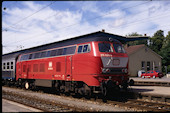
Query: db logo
[50,66]
[116,62]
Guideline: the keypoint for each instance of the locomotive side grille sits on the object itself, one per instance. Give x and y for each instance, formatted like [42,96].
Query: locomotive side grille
[24,68]
[42,67]
[35,67]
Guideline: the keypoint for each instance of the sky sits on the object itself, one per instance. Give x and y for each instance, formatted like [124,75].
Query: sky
[27,24]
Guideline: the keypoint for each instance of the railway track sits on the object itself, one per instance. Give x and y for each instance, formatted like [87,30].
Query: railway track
[52,106]
[151,83]
[137,104]
[40,104]
[140,105]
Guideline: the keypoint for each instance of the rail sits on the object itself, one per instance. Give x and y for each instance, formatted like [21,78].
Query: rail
[50,106]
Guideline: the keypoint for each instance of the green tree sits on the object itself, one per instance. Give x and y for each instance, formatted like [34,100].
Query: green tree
[157,41]
[165,52]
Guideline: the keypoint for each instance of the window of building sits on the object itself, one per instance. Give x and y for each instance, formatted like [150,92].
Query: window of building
[148,66]
[143,65]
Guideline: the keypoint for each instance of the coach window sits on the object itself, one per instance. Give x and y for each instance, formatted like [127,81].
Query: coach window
[7,65]
[4,66]
[12,65]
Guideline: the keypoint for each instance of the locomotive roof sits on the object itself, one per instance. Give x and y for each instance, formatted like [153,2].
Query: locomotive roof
[95,36]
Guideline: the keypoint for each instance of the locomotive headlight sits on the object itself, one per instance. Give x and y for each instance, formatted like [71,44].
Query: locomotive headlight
[124,70]
[105,70]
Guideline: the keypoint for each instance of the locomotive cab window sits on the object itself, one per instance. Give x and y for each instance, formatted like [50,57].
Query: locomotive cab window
[84,48]
[118,48]
[80,49]
[105,47]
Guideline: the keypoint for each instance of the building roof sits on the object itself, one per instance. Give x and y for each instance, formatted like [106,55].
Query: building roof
[132,49]
[79,39]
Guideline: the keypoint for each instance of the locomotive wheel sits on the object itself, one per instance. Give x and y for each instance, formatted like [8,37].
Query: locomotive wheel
[104,91]
[27,85]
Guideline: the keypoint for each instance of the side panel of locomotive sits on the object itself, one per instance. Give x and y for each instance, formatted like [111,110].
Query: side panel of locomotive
[53,64]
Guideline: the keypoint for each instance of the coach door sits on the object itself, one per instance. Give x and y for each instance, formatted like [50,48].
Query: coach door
[68,68]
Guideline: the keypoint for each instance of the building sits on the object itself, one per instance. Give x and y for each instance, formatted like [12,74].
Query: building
[142,58]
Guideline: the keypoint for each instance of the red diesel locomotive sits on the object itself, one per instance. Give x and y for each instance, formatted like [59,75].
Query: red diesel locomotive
[91,67]
[87,64]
